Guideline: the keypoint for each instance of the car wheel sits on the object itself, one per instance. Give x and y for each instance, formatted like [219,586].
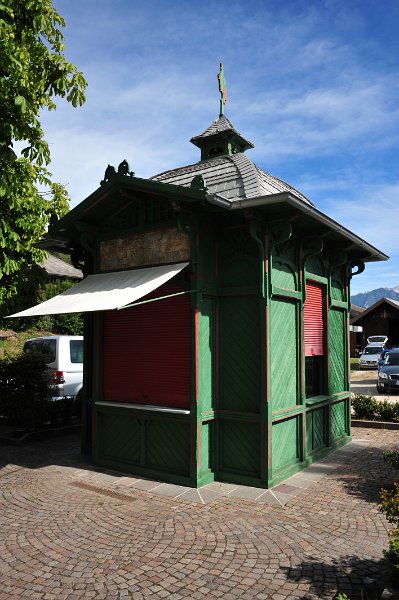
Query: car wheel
[380,389]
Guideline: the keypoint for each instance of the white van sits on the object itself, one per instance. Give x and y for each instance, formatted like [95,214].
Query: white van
[65,353]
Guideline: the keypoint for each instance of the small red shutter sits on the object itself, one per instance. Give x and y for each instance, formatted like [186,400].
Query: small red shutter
[314,321]
[147,351]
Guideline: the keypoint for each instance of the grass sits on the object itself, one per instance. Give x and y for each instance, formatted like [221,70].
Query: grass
[354,363]
[12,346]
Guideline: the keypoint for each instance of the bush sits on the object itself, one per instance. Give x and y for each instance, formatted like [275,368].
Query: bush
[387,411]
[25,392]
[392,457]
[364,406]
[392,556]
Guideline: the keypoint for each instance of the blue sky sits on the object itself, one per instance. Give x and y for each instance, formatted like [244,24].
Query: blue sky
[313,84]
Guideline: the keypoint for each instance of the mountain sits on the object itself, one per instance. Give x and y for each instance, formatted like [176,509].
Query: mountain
[367,299]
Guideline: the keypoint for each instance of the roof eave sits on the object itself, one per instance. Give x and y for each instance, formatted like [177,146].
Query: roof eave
[167,191]
[292,200]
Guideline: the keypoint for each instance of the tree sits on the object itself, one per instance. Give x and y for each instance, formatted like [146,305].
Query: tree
[33,71]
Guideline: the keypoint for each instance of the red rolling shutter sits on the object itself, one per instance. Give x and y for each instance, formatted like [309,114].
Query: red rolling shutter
[147,351]
[314,320]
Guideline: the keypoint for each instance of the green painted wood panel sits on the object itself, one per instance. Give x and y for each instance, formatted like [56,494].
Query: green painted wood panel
[239,447]
[167,445]
[316,437]
[118,437]
[206,448]
[338,286]
[339,419]
[283,354]
[285,265]
[315,265]
[283,276]
[206,351]
[239,361]
[285,444]
[337,332]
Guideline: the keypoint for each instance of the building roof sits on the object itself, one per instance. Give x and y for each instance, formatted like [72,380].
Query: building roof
[393,303]
[234,177]
[57,267]
[220,125]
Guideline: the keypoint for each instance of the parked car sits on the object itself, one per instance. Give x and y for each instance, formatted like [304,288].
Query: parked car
[370,356]
[65,362]
[388,374]
[377,339]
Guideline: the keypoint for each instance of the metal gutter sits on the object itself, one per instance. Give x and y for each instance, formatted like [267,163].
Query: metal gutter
[288,198]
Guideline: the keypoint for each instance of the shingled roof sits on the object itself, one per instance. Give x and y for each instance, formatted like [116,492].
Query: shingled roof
[227,171]
[59,268]
[220,125]
[234,177]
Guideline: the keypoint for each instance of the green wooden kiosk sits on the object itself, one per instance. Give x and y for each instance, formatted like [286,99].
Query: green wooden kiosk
[230,362]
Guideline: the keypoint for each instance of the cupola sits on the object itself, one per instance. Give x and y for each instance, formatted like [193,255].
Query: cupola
[220,138]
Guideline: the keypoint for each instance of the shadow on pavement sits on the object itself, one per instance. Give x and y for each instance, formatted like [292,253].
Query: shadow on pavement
[60,451]
[356,577]
[366,475]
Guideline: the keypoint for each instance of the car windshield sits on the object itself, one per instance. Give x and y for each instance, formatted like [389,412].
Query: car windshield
[372,350]
[377,338]
[392,359]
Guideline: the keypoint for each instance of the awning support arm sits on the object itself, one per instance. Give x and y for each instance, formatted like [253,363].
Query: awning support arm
[159,298]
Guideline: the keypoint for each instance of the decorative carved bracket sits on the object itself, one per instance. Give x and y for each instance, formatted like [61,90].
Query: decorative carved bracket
[360,267]
[338,259]
[110,172]
[312,247]
[281,232]
[199,183]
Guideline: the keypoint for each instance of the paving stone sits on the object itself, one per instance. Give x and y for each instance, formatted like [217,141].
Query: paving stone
[78,532]
[168,489]
[146,485]
[246,492]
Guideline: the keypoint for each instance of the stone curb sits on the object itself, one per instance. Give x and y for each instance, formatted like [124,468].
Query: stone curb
[374,424]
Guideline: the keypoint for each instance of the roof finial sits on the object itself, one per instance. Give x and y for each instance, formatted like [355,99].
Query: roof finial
[222,89]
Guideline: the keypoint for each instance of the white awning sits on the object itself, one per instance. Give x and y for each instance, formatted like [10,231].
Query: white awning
[105,291]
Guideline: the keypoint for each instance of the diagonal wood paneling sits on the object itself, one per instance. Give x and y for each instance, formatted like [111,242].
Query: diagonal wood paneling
[206,348]
[315,429]
[337,350]
[285,446]
[283,354]
[168,445]
[239,447]
[240,353]
[119,437]
[338,419]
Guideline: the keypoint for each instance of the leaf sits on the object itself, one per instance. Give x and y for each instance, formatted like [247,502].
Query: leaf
[21,102]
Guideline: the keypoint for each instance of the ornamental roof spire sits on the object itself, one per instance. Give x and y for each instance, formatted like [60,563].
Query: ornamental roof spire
[222,89]
[221,138]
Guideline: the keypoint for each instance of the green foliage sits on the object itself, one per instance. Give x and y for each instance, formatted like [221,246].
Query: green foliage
[33,288]
[33,70]
[392,556]
[367,407]
[364,406]
[354,364]
[25,393]
[387,411]
[67,324]
[25,390]
[392,458]
[390,504]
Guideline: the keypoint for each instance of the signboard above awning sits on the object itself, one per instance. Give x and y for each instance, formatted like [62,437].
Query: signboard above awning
[106,291]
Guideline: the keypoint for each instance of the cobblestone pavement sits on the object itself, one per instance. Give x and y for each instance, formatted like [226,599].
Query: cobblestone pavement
[68,531]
